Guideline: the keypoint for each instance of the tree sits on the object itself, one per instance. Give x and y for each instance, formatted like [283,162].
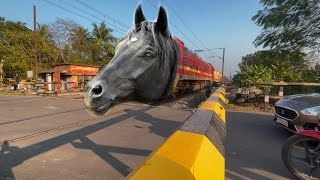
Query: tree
[289,24]
[16,48]
[286,65]
[104,46]
[103,34]
[61,32]
[80,35]
[254,74]
[45,33]
[64,41]
[80,38]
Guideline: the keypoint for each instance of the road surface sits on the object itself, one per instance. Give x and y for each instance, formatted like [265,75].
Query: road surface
[50,138]
[253,147]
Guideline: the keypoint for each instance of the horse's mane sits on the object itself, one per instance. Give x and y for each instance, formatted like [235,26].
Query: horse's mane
[166,47]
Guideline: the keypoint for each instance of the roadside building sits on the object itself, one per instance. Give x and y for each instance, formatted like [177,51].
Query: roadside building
[67,76]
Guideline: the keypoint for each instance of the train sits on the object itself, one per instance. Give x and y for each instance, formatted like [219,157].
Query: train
[192,73]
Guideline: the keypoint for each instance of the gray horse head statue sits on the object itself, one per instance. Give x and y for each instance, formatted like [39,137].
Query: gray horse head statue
[142,67]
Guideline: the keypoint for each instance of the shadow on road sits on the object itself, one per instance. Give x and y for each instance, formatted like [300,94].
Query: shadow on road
[11,156]
[160,127]
[253,147]
[104,153]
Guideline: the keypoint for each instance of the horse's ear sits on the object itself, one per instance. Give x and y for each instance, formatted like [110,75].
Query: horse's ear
[162,22]
[139,17]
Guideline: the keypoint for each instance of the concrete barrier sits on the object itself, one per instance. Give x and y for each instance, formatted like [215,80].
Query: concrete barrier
[196,150]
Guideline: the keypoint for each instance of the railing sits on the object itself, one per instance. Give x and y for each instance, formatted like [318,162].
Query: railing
[50,87]
[281,85]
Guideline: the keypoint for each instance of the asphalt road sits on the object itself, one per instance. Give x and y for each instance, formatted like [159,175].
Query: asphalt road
[253,147]
[52,138]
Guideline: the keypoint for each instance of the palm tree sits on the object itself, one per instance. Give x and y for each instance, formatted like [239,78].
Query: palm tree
[80,35]
[44,32]
[104,41]
[103,34]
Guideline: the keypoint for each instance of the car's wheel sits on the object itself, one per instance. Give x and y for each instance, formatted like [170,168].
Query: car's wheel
[301,155]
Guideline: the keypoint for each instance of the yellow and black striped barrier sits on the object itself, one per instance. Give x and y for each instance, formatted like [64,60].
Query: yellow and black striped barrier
[195,151]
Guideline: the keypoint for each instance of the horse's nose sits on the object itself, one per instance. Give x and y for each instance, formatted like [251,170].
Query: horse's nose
[97,90]
[94,90]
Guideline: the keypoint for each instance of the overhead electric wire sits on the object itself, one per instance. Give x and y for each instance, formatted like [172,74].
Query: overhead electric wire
[79,15]
[124,31]
[185,25]
[216,55]
[103,14]
[189,29]
[176,27]
[69,10]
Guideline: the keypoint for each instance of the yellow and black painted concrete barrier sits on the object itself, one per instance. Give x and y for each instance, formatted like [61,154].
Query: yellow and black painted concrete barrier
[195,151]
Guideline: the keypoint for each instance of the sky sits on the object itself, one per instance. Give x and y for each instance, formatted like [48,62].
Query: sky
[206,24]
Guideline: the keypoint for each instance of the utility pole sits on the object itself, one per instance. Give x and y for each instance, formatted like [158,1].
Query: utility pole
[35,40]
[224,49]
[1,69]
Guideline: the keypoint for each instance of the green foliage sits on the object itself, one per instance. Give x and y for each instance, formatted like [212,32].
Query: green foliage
[289,24]
[64,41]
[272,65]
[285,65]
[15,48]
[254,74]
[104,43]
[103,34]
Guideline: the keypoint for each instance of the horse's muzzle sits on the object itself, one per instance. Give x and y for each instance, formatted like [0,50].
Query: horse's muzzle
[95,98]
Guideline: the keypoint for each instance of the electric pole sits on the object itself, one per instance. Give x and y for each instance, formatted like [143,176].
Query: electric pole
[224,49]
[35,40]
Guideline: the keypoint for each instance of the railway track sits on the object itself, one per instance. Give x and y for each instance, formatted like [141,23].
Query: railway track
[52,129]
[74,124]
[186,101]
[166,103]
[173,98]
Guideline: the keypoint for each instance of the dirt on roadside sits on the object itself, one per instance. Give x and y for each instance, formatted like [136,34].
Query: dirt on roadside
[249,107]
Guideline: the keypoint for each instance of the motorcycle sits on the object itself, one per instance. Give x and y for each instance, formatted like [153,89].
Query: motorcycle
[301,154]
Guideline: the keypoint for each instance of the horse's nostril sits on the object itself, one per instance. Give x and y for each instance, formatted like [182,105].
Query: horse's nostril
[97,90]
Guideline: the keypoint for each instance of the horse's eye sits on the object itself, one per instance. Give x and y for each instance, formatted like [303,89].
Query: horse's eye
[148,55]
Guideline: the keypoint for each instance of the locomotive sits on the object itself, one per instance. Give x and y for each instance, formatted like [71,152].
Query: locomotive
[192,73]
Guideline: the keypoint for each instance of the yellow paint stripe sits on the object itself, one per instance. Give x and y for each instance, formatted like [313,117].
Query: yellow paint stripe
[192,70]
[221,92]
[210,164]
[216,107]
[184,155]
